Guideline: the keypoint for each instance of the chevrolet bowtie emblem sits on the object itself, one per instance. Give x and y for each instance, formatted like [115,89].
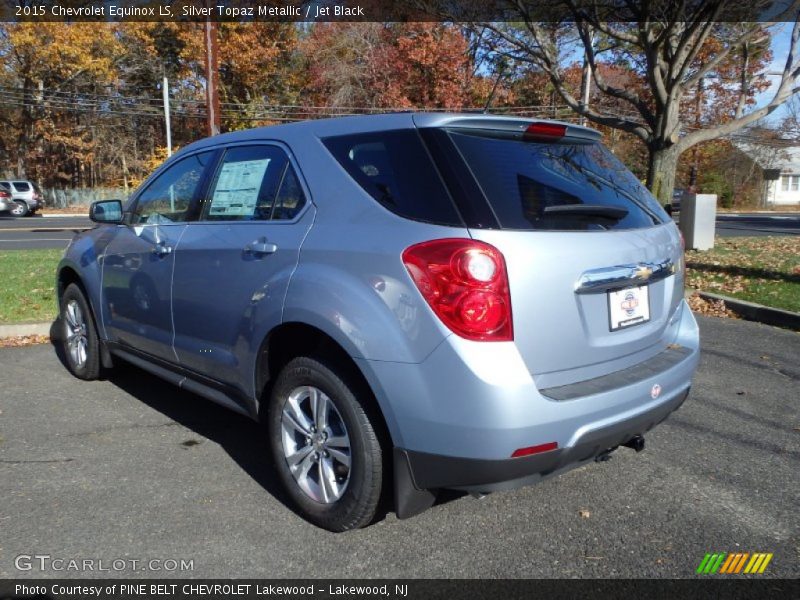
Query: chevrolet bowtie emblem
[643,272]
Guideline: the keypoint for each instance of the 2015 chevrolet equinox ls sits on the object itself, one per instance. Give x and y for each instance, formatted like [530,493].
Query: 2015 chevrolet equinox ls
[409,302]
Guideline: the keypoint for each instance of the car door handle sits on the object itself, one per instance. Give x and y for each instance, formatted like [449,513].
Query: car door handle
[162,249]
[261,246]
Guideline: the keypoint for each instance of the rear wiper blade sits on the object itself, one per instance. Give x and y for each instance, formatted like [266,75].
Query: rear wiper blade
[616,213]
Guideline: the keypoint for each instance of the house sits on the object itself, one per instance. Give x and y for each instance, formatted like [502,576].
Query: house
[780,171]
[785,190]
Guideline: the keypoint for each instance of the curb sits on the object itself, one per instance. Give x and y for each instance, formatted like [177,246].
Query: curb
[63,215]
[757,312]
[20,329]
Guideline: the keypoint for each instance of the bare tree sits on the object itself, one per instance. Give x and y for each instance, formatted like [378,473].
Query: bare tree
[790,125]
[664,42]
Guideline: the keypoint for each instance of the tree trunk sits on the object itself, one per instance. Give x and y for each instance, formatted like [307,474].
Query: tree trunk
[661,166]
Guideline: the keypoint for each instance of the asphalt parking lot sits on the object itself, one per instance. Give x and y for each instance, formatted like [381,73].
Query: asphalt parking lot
[132,468]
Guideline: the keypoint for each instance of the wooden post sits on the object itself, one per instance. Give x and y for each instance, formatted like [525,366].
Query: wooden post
[212,77]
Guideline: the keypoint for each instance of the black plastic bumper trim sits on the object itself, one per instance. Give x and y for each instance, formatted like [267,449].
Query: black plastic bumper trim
[613,381]
[434,471]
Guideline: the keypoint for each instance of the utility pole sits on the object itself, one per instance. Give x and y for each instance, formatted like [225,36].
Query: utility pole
[165,91]
[212,77]
[587,80]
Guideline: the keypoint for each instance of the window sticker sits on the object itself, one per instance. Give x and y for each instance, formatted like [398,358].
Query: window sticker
[236,192]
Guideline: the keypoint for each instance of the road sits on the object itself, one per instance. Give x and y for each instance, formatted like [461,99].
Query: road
[39,232]
[133,468]
[56,232]
[758,224]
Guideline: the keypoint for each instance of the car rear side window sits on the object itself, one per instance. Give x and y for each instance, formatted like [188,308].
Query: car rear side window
[246,184]
[22,186]
[290,197]
[553,186]
[396,170]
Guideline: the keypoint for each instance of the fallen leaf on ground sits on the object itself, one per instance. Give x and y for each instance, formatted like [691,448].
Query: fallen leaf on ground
[710,308]
[585,514]
[23,340]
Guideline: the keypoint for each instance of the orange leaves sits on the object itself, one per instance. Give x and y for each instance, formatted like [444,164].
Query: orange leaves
[23,340]
[394,65]
[54,52]
[430,62]
[710,308]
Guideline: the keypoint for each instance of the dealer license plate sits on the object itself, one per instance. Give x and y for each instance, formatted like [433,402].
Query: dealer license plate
[628,307]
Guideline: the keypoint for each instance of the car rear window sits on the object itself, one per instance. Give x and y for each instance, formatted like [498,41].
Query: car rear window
[22,186]
[585,184]
[396,170]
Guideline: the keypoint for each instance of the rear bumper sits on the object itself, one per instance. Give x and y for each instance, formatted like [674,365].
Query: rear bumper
[433,471]
[457,417]
[476,400]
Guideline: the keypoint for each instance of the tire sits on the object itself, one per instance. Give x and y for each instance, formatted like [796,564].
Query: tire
[18,208]
[81,345]
[328,491]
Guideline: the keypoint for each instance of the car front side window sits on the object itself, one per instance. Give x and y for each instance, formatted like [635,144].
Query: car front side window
[168,198]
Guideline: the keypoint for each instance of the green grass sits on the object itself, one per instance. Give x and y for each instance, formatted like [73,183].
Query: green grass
[28,293]
[765,270]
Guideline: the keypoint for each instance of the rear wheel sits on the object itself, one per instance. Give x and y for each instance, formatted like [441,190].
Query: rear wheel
[19,209]
[325,446]
[81,345]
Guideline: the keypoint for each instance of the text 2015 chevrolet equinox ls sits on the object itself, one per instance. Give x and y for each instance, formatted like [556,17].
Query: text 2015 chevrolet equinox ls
[409,302]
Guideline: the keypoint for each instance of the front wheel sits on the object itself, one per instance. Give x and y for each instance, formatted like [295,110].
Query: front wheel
[81,345]
[325,446]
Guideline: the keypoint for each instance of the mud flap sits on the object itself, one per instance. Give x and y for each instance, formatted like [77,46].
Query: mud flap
[408,499]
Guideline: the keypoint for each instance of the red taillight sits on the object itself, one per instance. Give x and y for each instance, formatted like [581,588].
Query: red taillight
[466,284]
[534,449]
[4,194]
[544,131]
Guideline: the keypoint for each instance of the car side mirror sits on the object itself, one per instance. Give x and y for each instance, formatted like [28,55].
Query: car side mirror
[106,211]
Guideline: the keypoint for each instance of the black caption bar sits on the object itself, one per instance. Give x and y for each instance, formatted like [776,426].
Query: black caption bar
[252,589]
[394,10]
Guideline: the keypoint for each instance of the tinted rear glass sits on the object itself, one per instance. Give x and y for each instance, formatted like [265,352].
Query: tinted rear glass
[22,186]
[395,169]
[521,180]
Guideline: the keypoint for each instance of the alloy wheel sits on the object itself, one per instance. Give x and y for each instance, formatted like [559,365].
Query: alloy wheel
[316,444]
[75,329]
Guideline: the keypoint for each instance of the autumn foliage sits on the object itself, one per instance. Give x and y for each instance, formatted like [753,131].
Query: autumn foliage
[81,103]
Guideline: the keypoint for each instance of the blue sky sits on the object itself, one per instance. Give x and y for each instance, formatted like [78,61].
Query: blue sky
[780,51]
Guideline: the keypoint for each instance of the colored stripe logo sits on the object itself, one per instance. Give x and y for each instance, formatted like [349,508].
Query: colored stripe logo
[734,563]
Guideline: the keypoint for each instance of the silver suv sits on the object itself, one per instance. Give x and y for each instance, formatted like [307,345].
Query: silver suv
[408,302]
[26,197]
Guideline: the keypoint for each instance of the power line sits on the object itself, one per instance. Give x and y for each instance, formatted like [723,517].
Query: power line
[100,105]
